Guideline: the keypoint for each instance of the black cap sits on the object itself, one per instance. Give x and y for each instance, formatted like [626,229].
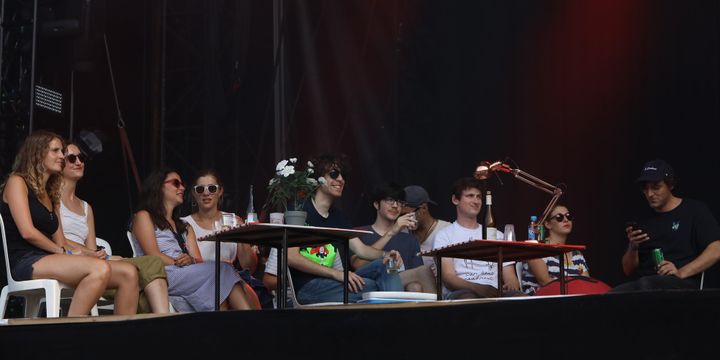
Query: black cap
[417,195]
[655,170]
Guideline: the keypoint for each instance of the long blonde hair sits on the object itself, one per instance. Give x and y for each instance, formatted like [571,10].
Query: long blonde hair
[29,165]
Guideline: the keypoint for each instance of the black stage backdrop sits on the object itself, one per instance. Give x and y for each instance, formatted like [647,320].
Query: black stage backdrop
[574,92]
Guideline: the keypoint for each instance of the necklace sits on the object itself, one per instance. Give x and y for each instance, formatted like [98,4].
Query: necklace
[427,232]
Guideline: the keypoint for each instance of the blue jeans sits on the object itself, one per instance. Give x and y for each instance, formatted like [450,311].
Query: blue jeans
[328,290]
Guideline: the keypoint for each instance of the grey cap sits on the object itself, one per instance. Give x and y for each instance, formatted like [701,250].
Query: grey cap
[416,195]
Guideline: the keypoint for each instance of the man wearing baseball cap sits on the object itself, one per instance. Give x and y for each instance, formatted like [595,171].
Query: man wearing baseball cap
[418,201]
[684,230]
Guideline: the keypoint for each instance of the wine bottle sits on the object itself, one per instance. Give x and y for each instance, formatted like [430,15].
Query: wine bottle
[489,225]
[251,215]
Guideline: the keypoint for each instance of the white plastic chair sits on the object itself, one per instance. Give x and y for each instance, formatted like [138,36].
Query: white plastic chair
[105,244]
[133,243]
[34,291]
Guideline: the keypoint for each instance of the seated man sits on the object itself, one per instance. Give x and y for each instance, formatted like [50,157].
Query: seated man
[467,279]
[417,200]
[683,229]
[388,203]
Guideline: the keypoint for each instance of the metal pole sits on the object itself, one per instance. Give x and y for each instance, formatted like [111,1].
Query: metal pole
[72,105]
[279,83]
[32,69]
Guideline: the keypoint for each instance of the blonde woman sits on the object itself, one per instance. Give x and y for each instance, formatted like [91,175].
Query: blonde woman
[36,245]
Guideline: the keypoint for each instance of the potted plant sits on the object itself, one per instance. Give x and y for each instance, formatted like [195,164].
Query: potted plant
[290,188]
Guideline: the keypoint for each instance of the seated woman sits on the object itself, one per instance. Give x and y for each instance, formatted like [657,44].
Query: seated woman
[160,232]
[78,224]
[207,191]
[36,245]
[541,272]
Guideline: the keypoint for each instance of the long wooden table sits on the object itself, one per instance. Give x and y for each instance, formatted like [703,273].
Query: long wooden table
[500,251]
[283,236]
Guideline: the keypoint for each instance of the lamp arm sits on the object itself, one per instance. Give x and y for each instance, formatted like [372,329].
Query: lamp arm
[542,185]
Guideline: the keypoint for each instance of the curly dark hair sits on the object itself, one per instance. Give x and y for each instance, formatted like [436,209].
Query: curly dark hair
[324,163]
[151,200]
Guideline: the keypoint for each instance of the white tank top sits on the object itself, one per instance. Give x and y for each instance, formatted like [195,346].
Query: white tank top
[74,225]
[228,251]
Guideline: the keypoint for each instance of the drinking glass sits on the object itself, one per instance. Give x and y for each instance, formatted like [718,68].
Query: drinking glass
[510,232]
[218,226]
[392,266]
[228,221]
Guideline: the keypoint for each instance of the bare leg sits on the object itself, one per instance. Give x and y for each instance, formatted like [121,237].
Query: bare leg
[421,275]
[88,275]
[124,278]
[156,293]
[238,298]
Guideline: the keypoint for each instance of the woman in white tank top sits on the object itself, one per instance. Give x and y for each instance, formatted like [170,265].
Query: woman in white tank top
[207,191]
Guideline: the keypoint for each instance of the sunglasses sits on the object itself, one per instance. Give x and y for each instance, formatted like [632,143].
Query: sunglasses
[212,188]
[176,182]
[334,174]
[72,158]
[562,217]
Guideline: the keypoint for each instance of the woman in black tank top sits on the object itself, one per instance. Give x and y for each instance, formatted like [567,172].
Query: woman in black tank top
[36,245]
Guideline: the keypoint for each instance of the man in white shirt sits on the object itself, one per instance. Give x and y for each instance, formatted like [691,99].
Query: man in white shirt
[467,279]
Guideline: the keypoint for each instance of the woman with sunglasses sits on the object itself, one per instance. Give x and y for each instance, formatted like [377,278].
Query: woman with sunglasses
[158,230]
[78,225]
[36,245]
[540,272]
[207,191]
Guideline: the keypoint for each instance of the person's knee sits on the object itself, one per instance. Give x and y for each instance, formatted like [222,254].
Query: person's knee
[414,286]
[101,270]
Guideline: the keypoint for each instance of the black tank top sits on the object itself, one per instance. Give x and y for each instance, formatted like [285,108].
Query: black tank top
[43,220]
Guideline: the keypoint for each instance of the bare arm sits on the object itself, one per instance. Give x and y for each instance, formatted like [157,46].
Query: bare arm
[510,280]
[16,196]
[90,242]
[707,258]
[144,231]
[539,269]
[630,259]
[454,282]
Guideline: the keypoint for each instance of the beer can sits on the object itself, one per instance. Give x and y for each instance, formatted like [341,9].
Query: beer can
[658,256]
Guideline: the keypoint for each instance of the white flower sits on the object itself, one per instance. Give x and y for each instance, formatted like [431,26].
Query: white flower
[272,181]
[312,181]
[281,165]
[287,171]
[310,170]
[310,165]
[322,180]
[293,160]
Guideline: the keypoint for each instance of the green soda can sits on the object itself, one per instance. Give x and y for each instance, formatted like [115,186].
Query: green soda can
[658,256]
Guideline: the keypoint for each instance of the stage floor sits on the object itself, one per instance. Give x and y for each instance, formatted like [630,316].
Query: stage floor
[657,325]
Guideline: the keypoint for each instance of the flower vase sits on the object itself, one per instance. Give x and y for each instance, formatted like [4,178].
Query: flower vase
[294,217]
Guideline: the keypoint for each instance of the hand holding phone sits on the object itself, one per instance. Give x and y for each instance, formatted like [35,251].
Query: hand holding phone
[635,234]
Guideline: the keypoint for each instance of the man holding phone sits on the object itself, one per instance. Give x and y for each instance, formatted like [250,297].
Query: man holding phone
[683,229]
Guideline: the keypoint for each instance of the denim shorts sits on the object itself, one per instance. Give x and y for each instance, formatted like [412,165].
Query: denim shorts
[22,269]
